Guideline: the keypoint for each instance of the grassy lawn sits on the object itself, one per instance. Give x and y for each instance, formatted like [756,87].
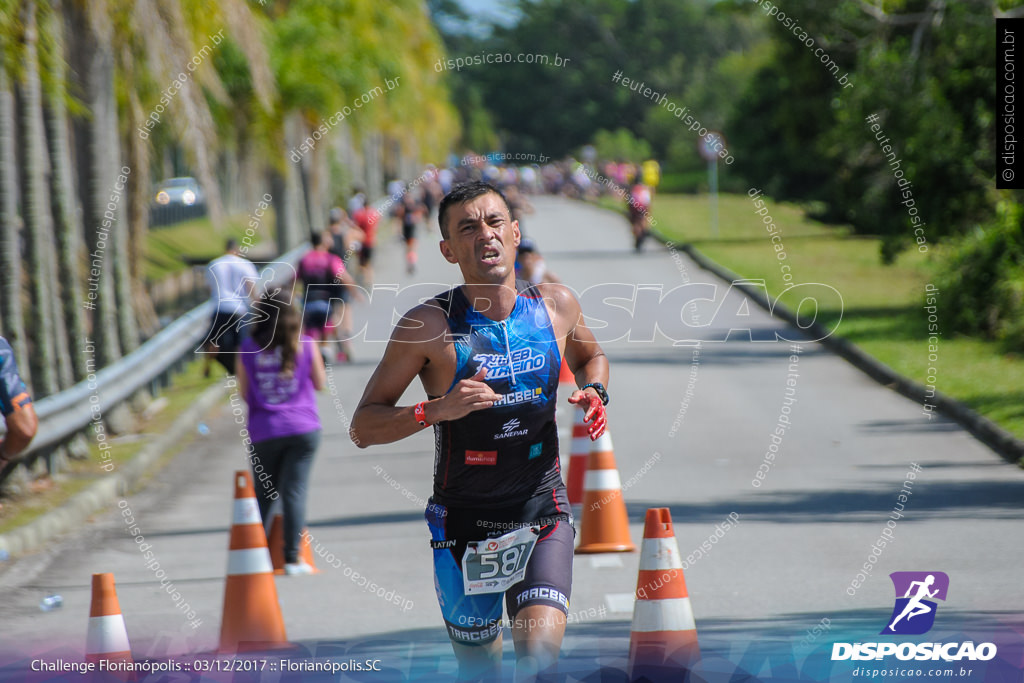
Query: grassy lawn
[47,493]
[197,238]
[882,305]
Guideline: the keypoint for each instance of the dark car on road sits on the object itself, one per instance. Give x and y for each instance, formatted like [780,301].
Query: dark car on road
[176,199]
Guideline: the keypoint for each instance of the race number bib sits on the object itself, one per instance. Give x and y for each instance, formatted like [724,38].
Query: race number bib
[495,564]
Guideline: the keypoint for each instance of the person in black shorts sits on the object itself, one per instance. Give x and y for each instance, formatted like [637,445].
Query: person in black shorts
[488,355]
[411,211]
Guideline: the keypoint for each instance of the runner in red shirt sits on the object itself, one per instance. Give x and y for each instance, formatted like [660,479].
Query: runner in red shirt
[366,218]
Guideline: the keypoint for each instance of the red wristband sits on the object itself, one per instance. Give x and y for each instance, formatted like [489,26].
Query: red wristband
[421,414]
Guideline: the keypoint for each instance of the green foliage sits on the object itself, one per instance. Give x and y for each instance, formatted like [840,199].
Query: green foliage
[621,145]
[327,53]
[931,81]
[981,280]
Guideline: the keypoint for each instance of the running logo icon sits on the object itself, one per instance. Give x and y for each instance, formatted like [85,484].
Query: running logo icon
[914,612]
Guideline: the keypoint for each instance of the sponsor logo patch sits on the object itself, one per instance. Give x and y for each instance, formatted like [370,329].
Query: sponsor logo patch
[481,457]
[511,429]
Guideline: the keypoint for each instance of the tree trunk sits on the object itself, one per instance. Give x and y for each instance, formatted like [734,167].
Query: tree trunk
[279,191]
[10,224]
[95,138]
[67,221]
[37,217]
[137,195]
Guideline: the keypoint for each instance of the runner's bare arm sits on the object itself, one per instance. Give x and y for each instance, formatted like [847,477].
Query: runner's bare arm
[583,354]
[418,338]
[242,378]
[377,418]
[317,370]
[21,428]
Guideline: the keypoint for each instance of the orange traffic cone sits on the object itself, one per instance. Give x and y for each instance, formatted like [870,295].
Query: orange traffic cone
[107,638]
[578,456]
[605,522]
[663,644]
[252,614]
[276,543]
[565,375]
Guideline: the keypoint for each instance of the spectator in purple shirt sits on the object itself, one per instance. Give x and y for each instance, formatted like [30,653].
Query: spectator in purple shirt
[278,372]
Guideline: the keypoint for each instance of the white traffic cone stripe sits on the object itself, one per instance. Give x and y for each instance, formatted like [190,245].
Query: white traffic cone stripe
[249,561]
[667,614]
[660,553]
[603,443]
[581,445]
[106,634]
[246,511]
[602,480]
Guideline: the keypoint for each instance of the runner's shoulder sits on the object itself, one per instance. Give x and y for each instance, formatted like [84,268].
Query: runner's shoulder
[558,293]
[424,323]
[562,304]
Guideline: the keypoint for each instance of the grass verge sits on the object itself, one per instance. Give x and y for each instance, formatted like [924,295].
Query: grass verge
[199,240]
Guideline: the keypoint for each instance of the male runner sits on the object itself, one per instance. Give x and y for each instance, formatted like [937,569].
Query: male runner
[410,211]
[232,281]
[488,354]
[15,406]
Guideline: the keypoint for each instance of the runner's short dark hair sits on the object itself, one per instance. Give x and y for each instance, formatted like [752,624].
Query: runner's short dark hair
[463,193]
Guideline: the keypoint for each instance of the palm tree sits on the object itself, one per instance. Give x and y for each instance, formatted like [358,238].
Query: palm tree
[10,221]
[92,66]
[67,222]
[37,217]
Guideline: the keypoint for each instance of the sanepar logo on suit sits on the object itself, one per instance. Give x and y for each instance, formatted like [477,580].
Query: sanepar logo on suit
[914,613]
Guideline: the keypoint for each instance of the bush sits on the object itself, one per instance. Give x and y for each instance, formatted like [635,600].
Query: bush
[981,280]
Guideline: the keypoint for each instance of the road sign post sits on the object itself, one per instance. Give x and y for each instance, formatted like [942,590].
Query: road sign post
[709,147]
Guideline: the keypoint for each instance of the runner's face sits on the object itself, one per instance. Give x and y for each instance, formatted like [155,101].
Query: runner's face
[482,239]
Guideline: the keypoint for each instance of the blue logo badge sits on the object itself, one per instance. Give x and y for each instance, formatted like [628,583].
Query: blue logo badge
[914,612]
[535,450]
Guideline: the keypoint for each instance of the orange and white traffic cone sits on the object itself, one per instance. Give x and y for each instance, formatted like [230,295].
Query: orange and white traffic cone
[107,639]
[276,543]
[605,523]
[663,644]
[578,456]
[252,614]
[565,375]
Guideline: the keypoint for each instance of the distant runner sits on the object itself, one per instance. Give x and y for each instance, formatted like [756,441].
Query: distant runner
[639,205]
[411,211]
[324,277]
[366,218]
[488,355]
[232,281]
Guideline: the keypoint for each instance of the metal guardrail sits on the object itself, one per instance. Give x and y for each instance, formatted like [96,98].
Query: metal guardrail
[69,412]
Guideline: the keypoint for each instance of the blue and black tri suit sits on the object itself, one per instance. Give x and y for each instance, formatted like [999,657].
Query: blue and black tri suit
[497,469]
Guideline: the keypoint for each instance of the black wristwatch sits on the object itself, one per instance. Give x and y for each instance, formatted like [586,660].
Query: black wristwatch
[599,388]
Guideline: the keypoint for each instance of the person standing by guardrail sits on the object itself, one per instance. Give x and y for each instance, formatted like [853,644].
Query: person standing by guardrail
[232,280]
[278,371]
[15,406]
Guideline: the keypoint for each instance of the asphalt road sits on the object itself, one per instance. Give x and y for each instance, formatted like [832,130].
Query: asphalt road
[691,427]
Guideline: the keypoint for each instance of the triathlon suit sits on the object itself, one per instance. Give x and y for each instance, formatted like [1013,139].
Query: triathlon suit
[496,470]
[13,392]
